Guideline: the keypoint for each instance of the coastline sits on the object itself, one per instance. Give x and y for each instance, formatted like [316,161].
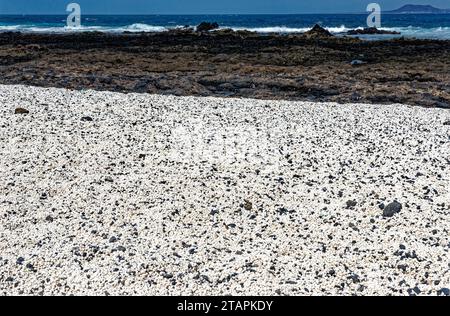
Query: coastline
[233,64]
[125,194]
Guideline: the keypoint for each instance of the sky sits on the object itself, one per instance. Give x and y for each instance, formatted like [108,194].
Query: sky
[204,6]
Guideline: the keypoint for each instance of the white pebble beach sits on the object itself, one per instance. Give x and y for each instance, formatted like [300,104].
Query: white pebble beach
[103,193]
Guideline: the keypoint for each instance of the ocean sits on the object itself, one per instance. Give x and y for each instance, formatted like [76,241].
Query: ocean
[429,26]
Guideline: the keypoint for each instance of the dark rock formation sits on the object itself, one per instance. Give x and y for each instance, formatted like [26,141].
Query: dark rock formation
[207,26]
[371,31]
[318,31]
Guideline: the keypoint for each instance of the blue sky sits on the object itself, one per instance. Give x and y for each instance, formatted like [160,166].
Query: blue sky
[203,6]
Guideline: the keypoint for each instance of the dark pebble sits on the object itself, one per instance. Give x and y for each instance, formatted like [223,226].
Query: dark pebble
[20,260]
[248,205]
[415,291]
[30,267]
[113,239]
[21,111]
[87,119]
[351,204]
[284,210]
[444,292]
[392,209]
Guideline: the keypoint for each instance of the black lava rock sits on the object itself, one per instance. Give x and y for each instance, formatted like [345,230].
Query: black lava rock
[30,267]
[392,209]
[21,111]
[351,204]
[414,292]
[283,211]
[87,119]
[207,26]
[248,205]
[444,292]
[317,32]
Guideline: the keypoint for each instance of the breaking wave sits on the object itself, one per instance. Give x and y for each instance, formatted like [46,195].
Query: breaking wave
[411,31]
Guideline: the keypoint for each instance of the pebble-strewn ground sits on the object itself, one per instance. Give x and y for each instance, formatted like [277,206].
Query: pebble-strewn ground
[102,192]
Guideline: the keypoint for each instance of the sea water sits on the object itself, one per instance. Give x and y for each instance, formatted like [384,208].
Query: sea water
[429,26]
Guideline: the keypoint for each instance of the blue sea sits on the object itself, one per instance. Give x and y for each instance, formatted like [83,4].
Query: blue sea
[431,26]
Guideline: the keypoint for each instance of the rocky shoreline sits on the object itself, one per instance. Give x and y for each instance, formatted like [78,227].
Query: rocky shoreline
[311,66]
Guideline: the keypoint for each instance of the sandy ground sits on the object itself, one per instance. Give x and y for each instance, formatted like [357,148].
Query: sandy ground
[109,193]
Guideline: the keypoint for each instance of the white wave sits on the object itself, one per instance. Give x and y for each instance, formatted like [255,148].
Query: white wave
[64,29]
[410,31]
[140,27]
[430,33]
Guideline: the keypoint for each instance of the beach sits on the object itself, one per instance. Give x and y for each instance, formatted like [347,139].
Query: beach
[111,193]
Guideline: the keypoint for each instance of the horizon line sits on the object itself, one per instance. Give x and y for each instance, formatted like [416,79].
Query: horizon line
[211,14]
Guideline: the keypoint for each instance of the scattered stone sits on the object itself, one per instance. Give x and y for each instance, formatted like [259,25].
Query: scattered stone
[447,123]
[20,261]
[192,251]
[355,278]
[21,111]
[113,239]
[357,62]
[414,292]
[248,205]
[87,119]
[392,209]
[49,219]
[444,292]
[283,211]
[30,267]
[351,204]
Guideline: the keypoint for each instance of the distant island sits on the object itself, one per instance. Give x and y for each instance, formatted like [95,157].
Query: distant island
[419,9]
